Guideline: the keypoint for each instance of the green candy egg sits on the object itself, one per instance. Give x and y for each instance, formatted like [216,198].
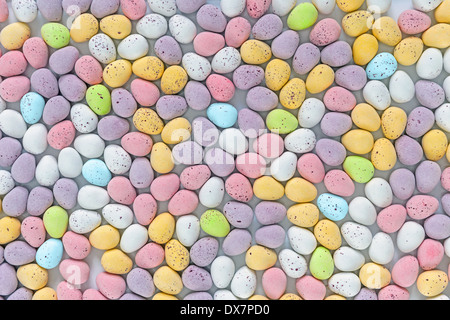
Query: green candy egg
[55,35]
[214,223]
[360,169]
[98,98]
[321,264]
[56,220]
[281,121]
[303,16]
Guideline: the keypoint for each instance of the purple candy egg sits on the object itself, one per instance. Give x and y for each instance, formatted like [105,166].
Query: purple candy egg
[205,132]
[430,94]
[168,50]
[39,200]
[437,227]
[351,77]
[220,163]
[24,168]
[237,242]
[239,215]
[403,183]
[141,173]
[337,54]
[112,128]
[335,124]
[285,45]
[19,253]
[63,61]
[56,110]
[21,294]
[409,151]
[187,153]
[8,279]
[65,192]
[15,202]
[123,103]
[272,236]
[211,18]
[267,27]
[170,107]
[72,88]
[268,212]
[44,82]
[420,121]
[251,123]
[10,150]
[197,95]
[204,251]
[198,296]
[196,279]
[140,281]
[103,8]
[428,176]
[306,58]
[331,152]
[262,99]
[246,77]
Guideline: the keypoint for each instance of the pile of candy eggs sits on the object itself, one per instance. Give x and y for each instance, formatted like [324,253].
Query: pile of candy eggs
[170,149]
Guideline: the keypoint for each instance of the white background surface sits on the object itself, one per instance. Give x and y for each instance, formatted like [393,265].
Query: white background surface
[238,101]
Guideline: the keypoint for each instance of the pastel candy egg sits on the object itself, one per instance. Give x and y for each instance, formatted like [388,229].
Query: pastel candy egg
[352,78]
[226,60]
[72,87]
[176,131]
[255,52]
[110,285]
[393,292]
[408,51]
[430,254]
[174,80]
[49,254]
[233,141]
[366,294]
[365,49]
[429,94]
[237,242]
[331,152]
[302,16]
[214,223]
[101,9]
[350,288]
[182,29]
[98,98]
[44,82]
[117,215]
[268,213]
[283,168]
[437,36]
[293,264]
[274,283]
[405,271]
[152,26]
[359,169]
[267,27]
[436,226]
[35,51]
[301,240]
[147,121]
[133,238]
[77,246]
[222,115]
[63,60]
[328,234]
[432,283]
[349,6]
[96,172]
[102,48]
[413,22]
[281,122]
[19,253]
[150,256]
[14,203]
[212,192]
[358,141]
[383,155]
[237,32]
[306,58]
[32,276]
[320,79]
[324,7]
[231,8]
[339,183]
[204,251]
[332,207]
[250,123]
[401,87]
[357,236]
[441,12]
[382,66]
[137,144]
[403,183]
[13,63]
[32,107]
[162,228]
[422,206]
[374,276]
[277,74]
[430,64]
[56,221]
[222,89]
[392,218]
[339,99]
[387,31]
[66,269]
[117,73]
[211,18]
[39,200]
[381,250]
[311,168]
[133,47]
[442,117]
[166,8]
[116,26]
[270,236]
[310,288]
[379,192]
[197,95]
[336,54]
[238,214]
[43,294]
[112,128]
[183,202]
[83,118]
[165,186]
[93,197]
[199,68]
[285,45]
[69,163]
[84,221]
[33,231]
[311,113]
[121,190]
[13,36]
[267,188]
[56,110]
[434,144]
[410,236]
[141,174]
[377,95]
[428,175]
[260,258]
[321,264]
[195,278]
[194,177]
[261,99]
[325,32]
[420,121]
[348,259]
[84,27]
[244,282]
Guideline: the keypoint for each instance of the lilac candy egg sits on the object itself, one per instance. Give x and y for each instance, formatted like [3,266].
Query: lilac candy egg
[335,124]
[445,202]
[246,77]
[21,294]
[72,88]
[211,18]
[196,279]
[130,297]
[351,77]
[239,215]
[72,7]
[170,107]
[306,58]
[197,95]
[65,192]
[270,236]
[112,128]
[437,227]
[190,6]
[10,150]
[262,99]
[428,176]
[430,94]
[141,173]
[44,82]
[39,200]
[140,281]
[187,153]
[285,45]
[409,151]
[51,10]
[56,110]
[420,121]
[24,168]
[337,54]
[267,27]
[199,296]
[251,123]
[168,50]
[205,132]
[8,279]
[220,163]
[15,202]
[63,61]
[103,8]
[237,242]
[366,294]
[19,253]
[268,212]
[403,183]
[123,103]
[204,251]
[331,152]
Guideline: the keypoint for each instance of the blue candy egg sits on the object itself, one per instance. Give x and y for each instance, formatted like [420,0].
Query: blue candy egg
[32,107]
[333,207]
[96,172]
[50,253]
[223,115]
[382,66]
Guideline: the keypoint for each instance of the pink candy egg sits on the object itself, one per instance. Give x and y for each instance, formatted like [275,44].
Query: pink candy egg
[121,190]
[221,88]
[405,271]
[33,231]
[256,8]
[311,168]
[75,272]
[89,70]
[208,44]
[251,165]
[237,32]
[269,145]
[14,88]
[150,256]
[36,52]
[145,208]
[194,177]
[393,292]
[65,291]
[112,286]
[309,288]
[137,144]
[145,92]
[413,22]
[183,202]
[326,31]
[92,295]
[422,206]
[339,99]
[61,135]
[4,11]
[76,245]
[164,187]
[12,63]
[392,218]
[445,179]
[339,183]
[239,187]
[133,9]
[274,282]
[430,254]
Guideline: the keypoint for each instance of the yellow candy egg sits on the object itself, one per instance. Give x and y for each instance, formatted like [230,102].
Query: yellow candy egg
[168,281]
[117,73]
[162,228]
[320,79]
[9,230]
[432,283]
[384,156]
[116,261]
[448,154]
[161,158]
[260,258]
[328,234]
[147,121]
[174,80]
[357,23]
[300,190]
[45,294]
[164,296]
[116,26]
[387,31]
[277,74]
[335,297]
[176,131]
[365,117]
[255,52]
[258,297]
[177,256]
[408,51]
[14,35]
[305,215]
[358,141]
[290,296]
[32,276]
[374,276]
[442,13]
[349,5]
[434,144]
[104,237]
[149,68]
[365,48]
[293,94]
[84,27]
[267,188]
[438,36]
[393,122]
